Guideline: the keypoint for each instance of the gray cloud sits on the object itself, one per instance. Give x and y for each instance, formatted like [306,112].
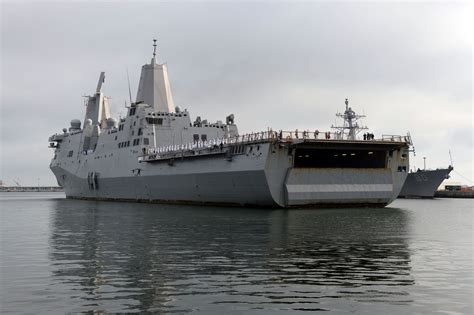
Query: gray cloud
[407,66]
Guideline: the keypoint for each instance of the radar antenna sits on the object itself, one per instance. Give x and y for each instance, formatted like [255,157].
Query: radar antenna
[350,123]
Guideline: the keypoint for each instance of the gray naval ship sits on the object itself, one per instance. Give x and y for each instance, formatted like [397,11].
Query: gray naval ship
[424,183]
[157,153]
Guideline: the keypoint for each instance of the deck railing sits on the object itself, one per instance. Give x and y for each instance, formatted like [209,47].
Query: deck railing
[397,138]
[215,146]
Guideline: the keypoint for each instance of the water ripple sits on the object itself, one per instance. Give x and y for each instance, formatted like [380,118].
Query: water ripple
[118,257]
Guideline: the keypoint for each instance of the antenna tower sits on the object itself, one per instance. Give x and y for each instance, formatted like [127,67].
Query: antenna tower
[350,123]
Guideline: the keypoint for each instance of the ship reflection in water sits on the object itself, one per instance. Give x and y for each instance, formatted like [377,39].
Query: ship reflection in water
[139,257]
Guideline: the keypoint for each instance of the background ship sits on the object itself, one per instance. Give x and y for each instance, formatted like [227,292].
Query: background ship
[424,183]
[158,154]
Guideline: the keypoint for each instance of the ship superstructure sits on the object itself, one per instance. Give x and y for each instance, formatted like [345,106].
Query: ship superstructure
[157,153]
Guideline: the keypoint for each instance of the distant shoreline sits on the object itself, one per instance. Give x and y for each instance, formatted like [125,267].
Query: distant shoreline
[454,194]
[31,189]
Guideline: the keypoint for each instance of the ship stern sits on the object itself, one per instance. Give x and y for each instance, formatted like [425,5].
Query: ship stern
[339,173]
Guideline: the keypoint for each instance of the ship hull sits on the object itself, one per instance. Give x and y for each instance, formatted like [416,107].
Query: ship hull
[243,189]
[267,178]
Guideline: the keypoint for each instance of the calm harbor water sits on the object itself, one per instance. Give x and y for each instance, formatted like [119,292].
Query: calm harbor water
[70,256]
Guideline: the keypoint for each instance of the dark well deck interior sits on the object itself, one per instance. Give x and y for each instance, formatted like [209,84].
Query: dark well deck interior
[356,154]
[340,158]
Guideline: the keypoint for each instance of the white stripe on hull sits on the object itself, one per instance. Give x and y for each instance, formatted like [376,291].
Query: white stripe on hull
[340,188]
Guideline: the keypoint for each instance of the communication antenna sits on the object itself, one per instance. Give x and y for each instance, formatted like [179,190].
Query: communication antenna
[129,89]
[154,48]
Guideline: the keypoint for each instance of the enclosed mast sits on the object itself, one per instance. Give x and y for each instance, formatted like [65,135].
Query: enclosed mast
[98,106]
[154,88]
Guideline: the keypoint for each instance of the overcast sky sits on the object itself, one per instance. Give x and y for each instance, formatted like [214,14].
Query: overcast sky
[407,66]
